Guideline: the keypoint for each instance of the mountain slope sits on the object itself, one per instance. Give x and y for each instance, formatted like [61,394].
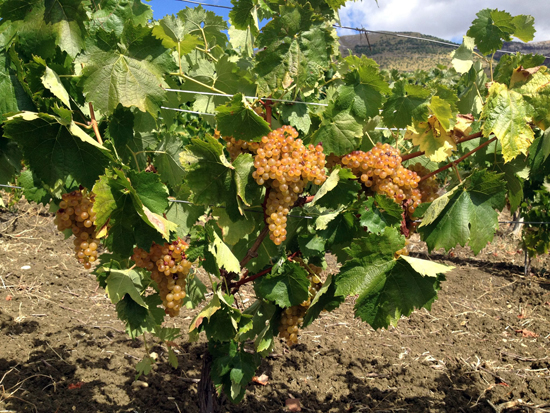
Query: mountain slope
[406,54]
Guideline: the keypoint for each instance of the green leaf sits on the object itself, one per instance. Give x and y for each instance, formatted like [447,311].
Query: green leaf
[524,27]
[172,358]
[122,282]
[232,368]
[297,115]
[65,18]
[52,82]
[185,216]
[325,299]
[505,115]
[171,31]
[287,285]
[224,256]
[167,162]
[204,25]
[234,231]
[244,16]
[407,103]
[130,75]
[469,215]
[247,188]
[380,212]
[54,149]
[490,28]
[206,313]
[339,134]
[150,190]
[111,15]
[195,292]
[139,319]
[405,285]
[471,98]
[144,366]
[33,188]
[371,257]
[13,95]
[208,172]
[238,119]
[462,58]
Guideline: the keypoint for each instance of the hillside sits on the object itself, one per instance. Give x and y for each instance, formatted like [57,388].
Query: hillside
[406,54]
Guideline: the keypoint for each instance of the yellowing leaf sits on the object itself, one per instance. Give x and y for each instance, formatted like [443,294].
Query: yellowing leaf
[507,114]
[432,138]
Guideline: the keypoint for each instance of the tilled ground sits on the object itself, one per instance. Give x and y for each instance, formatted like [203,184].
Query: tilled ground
[484,347]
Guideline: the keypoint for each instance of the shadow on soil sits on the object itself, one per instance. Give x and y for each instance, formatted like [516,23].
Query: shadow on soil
[47,383]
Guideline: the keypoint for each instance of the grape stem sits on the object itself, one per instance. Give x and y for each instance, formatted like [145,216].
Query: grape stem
[94,123]
[454,163]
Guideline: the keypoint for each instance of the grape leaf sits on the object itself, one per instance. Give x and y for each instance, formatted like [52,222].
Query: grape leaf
[171,31]
[432,138]
[469,210]
[286,285]
[33,188]
[52,82]
[505,115]
[379,212]
[208,172]
[339,133]
[54,149]
[325,299]
[364,87]
[490,28]
[10,160]
[129,73]
[185,216]
[195,292]
[167,162]
[406,104]
[408,284]
[462,58]
[120,283]
[66,19]
[111,15]
[238,119]
[234,231]
[150,190]
[140,319]
[244,16]
[13,95]
[297,115]
[247,188]
[470,99]
[524,27]
[204,25]
[232,368]
[223,255]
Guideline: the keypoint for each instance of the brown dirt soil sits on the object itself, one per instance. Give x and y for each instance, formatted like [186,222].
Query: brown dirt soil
[484,347]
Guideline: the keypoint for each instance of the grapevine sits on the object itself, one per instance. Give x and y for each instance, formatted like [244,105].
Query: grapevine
[162,121]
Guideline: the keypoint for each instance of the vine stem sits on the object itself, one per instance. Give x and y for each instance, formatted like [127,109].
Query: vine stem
[454,163]
[94,123]
[253,251]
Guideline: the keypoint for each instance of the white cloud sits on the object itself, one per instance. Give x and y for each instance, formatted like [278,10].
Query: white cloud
[447,19]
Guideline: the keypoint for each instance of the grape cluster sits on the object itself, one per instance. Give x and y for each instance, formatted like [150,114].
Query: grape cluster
[77,214]
[286,165]
[428,187]
[294,316]
[236,147]
[169,269]
[380,170]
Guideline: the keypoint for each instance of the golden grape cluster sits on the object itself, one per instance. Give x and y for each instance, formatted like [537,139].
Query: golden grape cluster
[236,147]
[402,251]
[428,187]
[77,214]
[169,269]
[286,165]
[294,316]
[380,170]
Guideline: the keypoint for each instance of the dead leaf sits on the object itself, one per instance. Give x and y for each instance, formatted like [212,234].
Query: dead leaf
[293,405]
[263,379]
[526,333]
[9,298]
[78,385]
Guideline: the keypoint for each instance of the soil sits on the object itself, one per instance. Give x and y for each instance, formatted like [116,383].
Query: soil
[484,347]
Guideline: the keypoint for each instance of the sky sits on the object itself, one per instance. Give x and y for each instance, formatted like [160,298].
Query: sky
[447,19]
